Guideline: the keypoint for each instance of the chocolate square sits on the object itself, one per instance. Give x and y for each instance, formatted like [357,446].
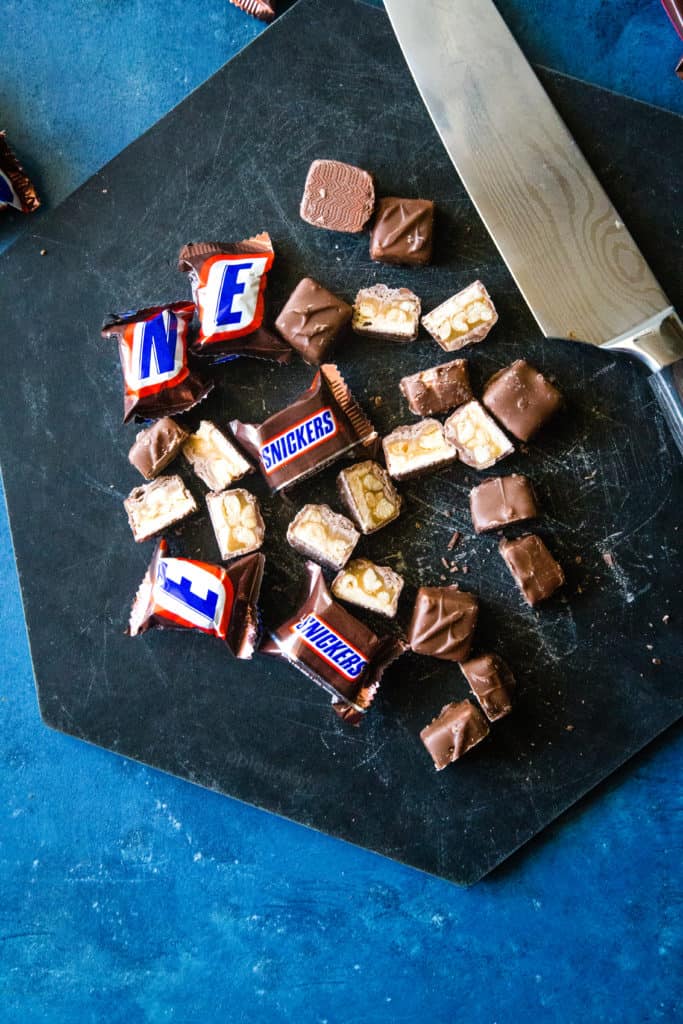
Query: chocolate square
[457,729]
[501,500]
[337,196]
[534,569]
[156,447]
[492,683]
[312,319]
[403,230]
[443,623]
[521,399]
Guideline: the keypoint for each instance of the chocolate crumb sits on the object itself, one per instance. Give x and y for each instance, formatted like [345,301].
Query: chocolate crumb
[43,252]
[443,578]
[666,619]
[454,540]
[445,563]
[465,568]
[455,568]
[656,661]
[569,728]
[578,559]
[608,559]
[649,647]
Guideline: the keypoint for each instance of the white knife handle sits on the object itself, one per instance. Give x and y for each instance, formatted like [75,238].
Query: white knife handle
[668,388]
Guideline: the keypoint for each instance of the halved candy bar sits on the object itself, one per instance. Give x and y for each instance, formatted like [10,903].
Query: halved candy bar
[155,447]
[323,535]
[463,319]
[443,623]
[375,587]
[478,438]
[369,495]
[390,313]
[312,320]
[16,188]
[501,500]
[180,593]
[456,729]
[537,574]
[437,389]
[337,196]
[492,683]
[417,448]
[521,399]
[214,458]
[154,507]
[237,522]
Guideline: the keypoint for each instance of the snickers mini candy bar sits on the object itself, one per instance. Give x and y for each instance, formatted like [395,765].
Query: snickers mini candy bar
[533,568]
[374,587]
[443,623]
[337,196]
[438,388]
[521,399]
[402,231]
[478,438]
[323,535]
[153,353]
[312,320]
[463,319]
[228,281]
[156,447]
[237,522]
[456,729]
[333,648]
[319,427]
[417,448]
[214,459]
[264,10]
[492,683]
[368,495]
[158,505]
[16,188]
[502,500]
[179,593]
[389,313]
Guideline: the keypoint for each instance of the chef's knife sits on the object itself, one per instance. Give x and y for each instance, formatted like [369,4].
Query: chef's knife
[573,260]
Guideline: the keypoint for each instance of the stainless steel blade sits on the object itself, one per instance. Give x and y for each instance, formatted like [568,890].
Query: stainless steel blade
[575,263]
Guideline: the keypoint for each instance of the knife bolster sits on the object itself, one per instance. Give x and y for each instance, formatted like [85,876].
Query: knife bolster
[658,342]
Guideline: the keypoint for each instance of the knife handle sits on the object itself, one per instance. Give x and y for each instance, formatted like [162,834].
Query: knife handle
[668,388]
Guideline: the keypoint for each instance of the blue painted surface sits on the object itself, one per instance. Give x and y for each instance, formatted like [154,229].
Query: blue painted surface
[126,895]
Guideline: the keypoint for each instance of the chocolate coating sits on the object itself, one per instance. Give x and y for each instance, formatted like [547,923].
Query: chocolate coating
[492,683]
[443,623]
[156,447]
[537,574]
[521,399]
[457,729]
[437,389]
[337,196]
[501,500]
[312,319]
[403,230]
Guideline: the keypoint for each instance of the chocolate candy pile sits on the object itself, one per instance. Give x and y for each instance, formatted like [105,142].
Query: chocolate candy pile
[160,348]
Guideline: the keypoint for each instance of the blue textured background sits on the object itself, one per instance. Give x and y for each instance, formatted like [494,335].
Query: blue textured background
[126,895]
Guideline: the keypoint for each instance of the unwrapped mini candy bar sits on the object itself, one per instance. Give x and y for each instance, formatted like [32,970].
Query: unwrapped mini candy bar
[492,682]
[155,506]
[156,447]
[16,188]
[375,587]
[438,388]
[312,320]
[153,352]
[368,494]
[179,593]
[337,196]
[237,522]
[478,438]
[417,448]
[463,319]
[455,730]
[389,313]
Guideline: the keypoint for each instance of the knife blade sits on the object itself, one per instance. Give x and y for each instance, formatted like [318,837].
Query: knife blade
[573,259]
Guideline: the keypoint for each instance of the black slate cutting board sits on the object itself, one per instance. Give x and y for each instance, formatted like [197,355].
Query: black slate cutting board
[328,80]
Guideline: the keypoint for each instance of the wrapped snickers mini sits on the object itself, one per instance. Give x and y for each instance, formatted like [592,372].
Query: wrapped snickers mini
[17,191]
[152,343]
[334,649]
[180,593]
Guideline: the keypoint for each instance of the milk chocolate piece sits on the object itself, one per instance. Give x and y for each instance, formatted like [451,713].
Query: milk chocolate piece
[521,399]
[375,587]
[323,535]
[402,231]
[332,647]
[17,191]
[264,10]
[153,353]
[464,319]
[443,623]
[501,500]
[312,320]
[180,593]
[534,569]
[369,495]
[492,683]
[389,313]
[337,196]
[319,427]
[417,448]
[457,729]
[437,389]
[237,522]
[156,446]
[478,438]
[154,507]
[214,458]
